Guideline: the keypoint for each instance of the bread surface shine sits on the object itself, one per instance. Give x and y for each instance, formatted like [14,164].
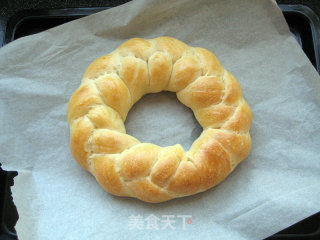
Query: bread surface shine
[124,166]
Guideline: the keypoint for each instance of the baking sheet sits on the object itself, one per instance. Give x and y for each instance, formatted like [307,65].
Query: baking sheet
[276,186]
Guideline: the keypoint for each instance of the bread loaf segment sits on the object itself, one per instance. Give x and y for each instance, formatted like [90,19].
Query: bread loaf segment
[203,92]
[160,68]
[211,159]
[105,171]
[167,164]
[82,101]
[134,72]
[137,162]
[174,47]
[214,116]
[110,142]
[103,65]
[125,167]
[238,146]
[145,190]
[186,180]
[80,133]
[232,90]
[185,71]
[114,93]
[103,116]
[136,47]
[209,62]
[241,120]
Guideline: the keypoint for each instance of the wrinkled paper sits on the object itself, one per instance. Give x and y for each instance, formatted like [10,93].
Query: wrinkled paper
[275,187]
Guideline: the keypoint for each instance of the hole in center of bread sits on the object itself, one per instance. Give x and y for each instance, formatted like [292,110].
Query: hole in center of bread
[160,118]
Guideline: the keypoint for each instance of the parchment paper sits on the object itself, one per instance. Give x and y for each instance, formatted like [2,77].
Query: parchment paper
[276,186]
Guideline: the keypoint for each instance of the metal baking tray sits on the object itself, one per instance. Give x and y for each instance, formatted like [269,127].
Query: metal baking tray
[304,25]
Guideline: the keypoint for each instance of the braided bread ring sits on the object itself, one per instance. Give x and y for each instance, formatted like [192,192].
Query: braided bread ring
[120,163]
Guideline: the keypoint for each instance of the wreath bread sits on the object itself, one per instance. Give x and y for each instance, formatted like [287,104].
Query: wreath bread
[122,165]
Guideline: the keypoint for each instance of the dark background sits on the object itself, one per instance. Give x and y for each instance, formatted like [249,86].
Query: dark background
[10,7]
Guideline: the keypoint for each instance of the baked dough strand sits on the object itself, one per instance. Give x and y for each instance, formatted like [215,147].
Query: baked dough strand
[124,166]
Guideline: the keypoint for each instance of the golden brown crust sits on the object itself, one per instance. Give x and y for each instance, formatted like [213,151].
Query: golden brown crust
[211,159]
[166,165]
[106,174]
[125,167]
[114,93]
[185,71]
[80,133]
